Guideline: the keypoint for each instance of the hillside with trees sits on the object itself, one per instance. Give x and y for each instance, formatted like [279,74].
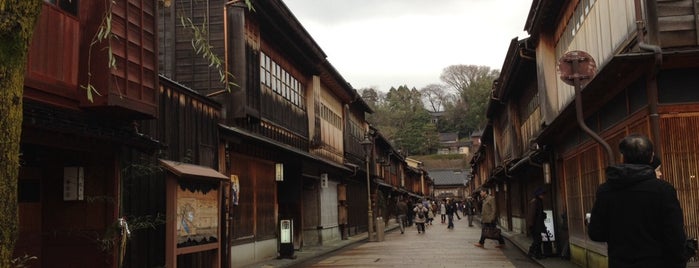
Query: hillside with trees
[403,114]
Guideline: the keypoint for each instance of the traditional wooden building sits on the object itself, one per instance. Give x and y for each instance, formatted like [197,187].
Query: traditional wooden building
[395,175]
[187,133]
[287,140]
[645,54]
[291,131]
[449,183]
[521,164]
[417,180]
[75,142]
[449,143]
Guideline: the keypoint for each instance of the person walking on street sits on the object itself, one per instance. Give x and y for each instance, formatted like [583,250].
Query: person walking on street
[469,210]
[401,211]
[488,218]
[535,222]
[638,215]
[420,217]
[443,211]
[450,209]
[430,213]
[410,214]
[459,207]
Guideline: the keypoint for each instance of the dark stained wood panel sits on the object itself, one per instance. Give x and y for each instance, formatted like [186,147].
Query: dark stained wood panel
[254,218]
[180,59]
[680,163]
[571,173]
[129,90]
[52,65]
[188,125]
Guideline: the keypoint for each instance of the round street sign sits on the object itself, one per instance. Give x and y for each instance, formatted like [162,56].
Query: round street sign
[586,67]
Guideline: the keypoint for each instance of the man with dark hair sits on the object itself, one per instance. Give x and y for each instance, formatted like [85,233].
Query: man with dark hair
[637,214]
[451,209]
[488,218]
[636,149]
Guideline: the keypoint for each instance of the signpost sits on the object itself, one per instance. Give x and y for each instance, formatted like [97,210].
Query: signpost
[577,68]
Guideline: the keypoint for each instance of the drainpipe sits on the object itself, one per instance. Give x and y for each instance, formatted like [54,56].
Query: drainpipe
[581,119]
[651,80]
[575,58]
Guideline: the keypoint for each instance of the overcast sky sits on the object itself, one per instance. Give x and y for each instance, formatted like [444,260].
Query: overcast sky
[384,43]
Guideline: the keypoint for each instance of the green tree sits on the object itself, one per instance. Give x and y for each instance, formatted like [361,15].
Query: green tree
[17,21]
[371,97]
[473,85]
[402,118]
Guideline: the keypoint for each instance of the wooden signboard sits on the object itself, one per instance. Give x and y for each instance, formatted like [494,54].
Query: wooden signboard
[197,216]
[193,215]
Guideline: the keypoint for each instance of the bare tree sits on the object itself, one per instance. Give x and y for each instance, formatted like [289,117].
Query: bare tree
[474,85]
[460,77]
[436,97]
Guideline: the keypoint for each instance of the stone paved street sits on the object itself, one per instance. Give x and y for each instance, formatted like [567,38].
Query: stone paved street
[438,247]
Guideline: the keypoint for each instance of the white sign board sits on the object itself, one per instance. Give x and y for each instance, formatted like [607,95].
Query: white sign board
[286,230]
[73,183]
[550,234]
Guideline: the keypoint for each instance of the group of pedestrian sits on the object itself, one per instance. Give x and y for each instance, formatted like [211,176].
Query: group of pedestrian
[636,213]
[424,212]
[419,214]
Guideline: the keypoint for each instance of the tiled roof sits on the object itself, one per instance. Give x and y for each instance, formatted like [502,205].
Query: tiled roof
[448,137]
[448,177]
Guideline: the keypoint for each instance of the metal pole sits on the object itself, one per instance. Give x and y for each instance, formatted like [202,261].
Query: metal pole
[579,112]
[370,229]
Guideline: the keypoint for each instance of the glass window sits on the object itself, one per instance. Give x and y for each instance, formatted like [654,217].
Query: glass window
[69,6]
[281,81]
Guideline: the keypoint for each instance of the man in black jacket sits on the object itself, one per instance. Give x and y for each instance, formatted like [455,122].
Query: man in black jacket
[535,222]
[637,214]
[451,209]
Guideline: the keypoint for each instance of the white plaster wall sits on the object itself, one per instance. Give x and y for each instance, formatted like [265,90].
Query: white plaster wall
[246,254]
[330,234]
[519,225]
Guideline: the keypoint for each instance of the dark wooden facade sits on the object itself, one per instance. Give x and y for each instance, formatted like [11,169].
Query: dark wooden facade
[291,107]
[644,84]
[74,152]
[514,113]
[62,56]
[187,132]
[291,110]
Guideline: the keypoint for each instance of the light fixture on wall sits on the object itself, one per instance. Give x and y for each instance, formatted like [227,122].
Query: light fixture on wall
[547,172]
[324,180]
[279,172]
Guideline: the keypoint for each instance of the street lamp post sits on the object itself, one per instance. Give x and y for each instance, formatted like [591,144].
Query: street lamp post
[367,144]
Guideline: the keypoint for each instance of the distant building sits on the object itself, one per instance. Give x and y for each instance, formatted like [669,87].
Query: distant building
[476,138]
[449,183]
[436,116]
[449,144]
